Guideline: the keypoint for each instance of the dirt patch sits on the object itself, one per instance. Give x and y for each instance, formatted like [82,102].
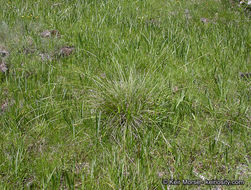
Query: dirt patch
[3,52]
[245,75]
[66,51]
[46,57]
[3,67]
[50,33]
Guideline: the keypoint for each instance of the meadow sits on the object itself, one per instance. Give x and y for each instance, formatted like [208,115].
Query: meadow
[121,94]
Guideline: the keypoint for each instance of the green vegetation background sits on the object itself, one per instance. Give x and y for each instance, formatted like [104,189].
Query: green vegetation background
[151,91]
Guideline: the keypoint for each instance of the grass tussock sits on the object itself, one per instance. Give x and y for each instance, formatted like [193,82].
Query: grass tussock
[127,98]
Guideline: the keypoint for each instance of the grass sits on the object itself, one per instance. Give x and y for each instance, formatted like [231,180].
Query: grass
[152,91]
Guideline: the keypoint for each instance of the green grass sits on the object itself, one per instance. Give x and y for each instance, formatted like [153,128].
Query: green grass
[149,93]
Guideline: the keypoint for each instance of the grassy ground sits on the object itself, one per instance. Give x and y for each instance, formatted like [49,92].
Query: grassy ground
[151,91]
